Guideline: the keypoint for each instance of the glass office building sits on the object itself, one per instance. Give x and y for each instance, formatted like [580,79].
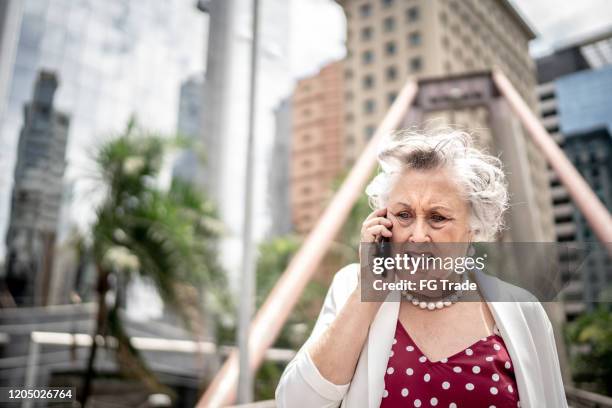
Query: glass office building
[585,100]
[113,58]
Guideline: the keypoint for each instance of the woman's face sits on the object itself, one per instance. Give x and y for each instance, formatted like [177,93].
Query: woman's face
[427,206]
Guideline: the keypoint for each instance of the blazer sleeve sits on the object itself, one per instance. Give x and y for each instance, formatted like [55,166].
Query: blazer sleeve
[549,363]
[301,384]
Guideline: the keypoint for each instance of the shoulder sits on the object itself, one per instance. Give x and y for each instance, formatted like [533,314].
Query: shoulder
[521,300]
[498,290]
[347,275]
[344,282]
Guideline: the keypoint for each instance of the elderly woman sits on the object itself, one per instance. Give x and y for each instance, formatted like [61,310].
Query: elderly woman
[432,189]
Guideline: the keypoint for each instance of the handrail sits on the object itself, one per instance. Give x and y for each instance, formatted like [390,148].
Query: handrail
[285,294]
[578,398]
[274,312]
[593,210]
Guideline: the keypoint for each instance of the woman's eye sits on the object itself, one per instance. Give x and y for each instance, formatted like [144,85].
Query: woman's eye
[438,218]
[404,215]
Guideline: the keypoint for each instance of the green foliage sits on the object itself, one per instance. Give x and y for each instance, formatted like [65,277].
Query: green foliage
[165,235]
[266,380]
[350,234]
[274,258]
[591,335]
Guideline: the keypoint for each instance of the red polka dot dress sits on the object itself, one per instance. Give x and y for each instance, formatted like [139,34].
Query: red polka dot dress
[481,375]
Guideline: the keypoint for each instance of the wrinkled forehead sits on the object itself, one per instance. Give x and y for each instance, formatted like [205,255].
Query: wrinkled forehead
[431,188]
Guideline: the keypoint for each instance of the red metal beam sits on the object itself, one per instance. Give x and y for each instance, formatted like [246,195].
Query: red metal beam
[593,210]
[274,312]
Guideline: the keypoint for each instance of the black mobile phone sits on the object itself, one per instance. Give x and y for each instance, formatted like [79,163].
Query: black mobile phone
[383,249]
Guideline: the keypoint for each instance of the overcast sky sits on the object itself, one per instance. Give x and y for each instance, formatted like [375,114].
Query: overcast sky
[318,27]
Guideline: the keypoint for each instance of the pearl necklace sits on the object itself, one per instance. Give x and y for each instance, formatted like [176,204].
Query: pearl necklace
[446,301]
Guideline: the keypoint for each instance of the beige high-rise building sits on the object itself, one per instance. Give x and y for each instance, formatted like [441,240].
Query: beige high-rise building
[317,131]
[390,41]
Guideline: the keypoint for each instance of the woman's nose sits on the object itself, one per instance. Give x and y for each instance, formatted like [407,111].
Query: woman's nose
[420,232]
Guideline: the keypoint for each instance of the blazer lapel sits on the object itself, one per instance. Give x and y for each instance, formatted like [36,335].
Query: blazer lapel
[508,316]
[515,331]
[380,339]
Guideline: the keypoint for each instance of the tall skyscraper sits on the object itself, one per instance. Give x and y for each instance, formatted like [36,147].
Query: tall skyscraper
[316,153]
[36,195]
[279,175]
[390,41]
[575,94]
[225,117]
[187,166]
[115,58]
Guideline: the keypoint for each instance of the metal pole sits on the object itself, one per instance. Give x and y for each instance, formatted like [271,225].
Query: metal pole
[583,196]
[278,305]
[31,369]
[247,294]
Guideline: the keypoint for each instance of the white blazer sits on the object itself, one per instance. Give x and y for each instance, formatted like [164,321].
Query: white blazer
[524,326]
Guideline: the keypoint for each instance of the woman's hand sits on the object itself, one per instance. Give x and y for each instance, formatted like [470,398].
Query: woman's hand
[376,226]
[336,352]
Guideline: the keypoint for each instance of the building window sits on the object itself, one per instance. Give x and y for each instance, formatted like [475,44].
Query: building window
[448,68]
[416,64]
[365,10]
[387,3]
[547,96]
[368,81]
[369,132]
[390,48]
[369,106]
[348,74]
[391,73]
[445,41]
[412,14]
[349,118]
[367,57]
[389,24]
[414,39]
[456,30]
[391,97]
[366,33]
[348,96]
[350,140]
[443,18]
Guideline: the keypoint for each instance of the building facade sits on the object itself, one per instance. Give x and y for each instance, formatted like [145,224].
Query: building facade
[115,59]
[574,91]
[37,195]
[279,175]
[226,116]
[391,41]
[188,166]
[316,153]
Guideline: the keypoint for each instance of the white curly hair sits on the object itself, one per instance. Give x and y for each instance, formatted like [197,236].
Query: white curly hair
[479,174]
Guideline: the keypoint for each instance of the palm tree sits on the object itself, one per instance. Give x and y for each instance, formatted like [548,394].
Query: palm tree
[167,236]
